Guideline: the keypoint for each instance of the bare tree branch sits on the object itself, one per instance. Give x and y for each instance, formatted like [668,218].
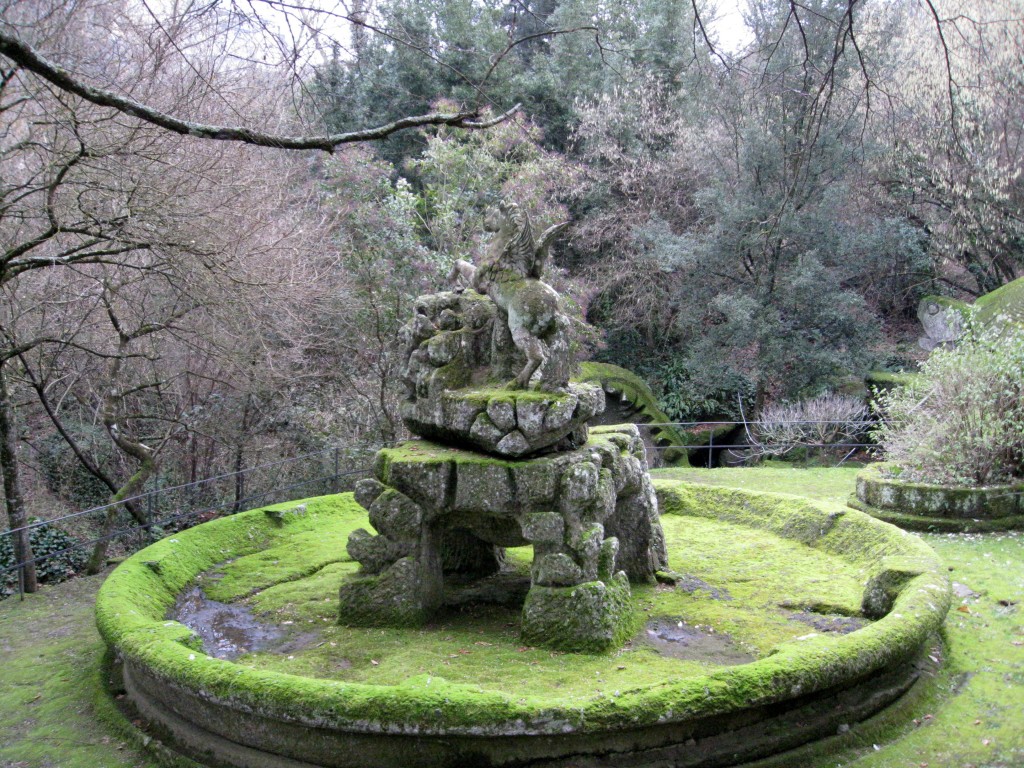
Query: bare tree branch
[27,57]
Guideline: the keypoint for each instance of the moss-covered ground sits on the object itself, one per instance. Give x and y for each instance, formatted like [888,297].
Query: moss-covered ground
[726,593]
[50,674]
[970,714]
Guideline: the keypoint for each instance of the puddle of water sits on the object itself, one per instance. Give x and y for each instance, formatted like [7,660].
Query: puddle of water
[227,631]
[679,640]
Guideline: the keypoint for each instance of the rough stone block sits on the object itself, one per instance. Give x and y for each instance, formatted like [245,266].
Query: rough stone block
[449,321]
[483,487]
[633,473]
[454,375]
[591,402]
[396,516]
[513,444]
[530,418]
[374,553]
[443,348]
[459,415]
[395,598]
[641,540]
[560,414]
[587,545]
[484,430]
[502,412]
[544,527]
[579,485]
[367,490]
[556,570]
[591,617]
[537,482]
[427,483]
[607,497]
[607,557]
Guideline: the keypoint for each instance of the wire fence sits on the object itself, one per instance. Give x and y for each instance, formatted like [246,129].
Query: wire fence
[167,509]
[743,443]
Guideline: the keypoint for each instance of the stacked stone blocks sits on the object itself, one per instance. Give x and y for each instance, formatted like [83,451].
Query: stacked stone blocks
[590,515]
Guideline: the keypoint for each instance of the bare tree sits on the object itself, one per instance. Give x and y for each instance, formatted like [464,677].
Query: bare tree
[87,192]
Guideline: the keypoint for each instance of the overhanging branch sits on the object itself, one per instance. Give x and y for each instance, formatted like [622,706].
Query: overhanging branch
[28,58]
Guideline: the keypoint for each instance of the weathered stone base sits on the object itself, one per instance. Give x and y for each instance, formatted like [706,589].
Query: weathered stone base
[229,714]
[218,731]
[591,617]
[506,422]
[589,514]
[405,595]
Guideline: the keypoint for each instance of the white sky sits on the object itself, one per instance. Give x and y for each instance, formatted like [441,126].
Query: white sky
[732,33]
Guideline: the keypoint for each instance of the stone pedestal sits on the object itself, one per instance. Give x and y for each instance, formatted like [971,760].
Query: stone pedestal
[589,513]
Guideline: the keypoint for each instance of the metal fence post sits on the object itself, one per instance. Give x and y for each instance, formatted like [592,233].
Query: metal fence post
[711,447]
[336,482]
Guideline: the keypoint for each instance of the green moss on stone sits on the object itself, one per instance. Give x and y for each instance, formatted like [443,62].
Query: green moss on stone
[1004,303]
[627,384]
[593,617]
[928,506]
[132,605]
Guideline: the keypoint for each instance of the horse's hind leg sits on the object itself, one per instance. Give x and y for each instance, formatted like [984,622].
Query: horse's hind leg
[535,357]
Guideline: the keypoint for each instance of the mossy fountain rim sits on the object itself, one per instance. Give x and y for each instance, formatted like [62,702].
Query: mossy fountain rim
[161,659]
[921,506]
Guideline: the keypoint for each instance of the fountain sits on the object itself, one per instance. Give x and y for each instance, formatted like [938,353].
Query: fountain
[505,465]
[406,647]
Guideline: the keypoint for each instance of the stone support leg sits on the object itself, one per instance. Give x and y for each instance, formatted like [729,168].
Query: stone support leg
[404,594]
[591,617]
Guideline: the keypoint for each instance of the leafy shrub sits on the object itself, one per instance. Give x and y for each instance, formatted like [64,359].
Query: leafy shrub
[60,557]
[690,393]
[822,420]
[962,421]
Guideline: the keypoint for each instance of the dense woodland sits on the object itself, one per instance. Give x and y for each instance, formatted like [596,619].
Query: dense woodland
[750,225]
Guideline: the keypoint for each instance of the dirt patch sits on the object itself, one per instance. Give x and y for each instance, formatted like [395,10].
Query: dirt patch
[679,640]
[840,625]
[691,584]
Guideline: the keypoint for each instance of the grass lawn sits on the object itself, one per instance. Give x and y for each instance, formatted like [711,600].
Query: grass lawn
[970,714]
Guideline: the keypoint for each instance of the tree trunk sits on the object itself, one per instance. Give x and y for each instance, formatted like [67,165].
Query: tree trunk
[112,402]
[13,500]
[240,456]
[132,488]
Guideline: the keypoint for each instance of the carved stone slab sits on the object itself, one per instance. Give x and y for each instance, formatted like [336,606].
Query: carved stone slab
[504,422]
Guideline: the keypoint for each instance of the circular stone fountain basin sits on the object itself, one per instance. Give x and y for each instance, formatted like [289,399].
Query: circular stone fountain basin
[931,507]
[782,621]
